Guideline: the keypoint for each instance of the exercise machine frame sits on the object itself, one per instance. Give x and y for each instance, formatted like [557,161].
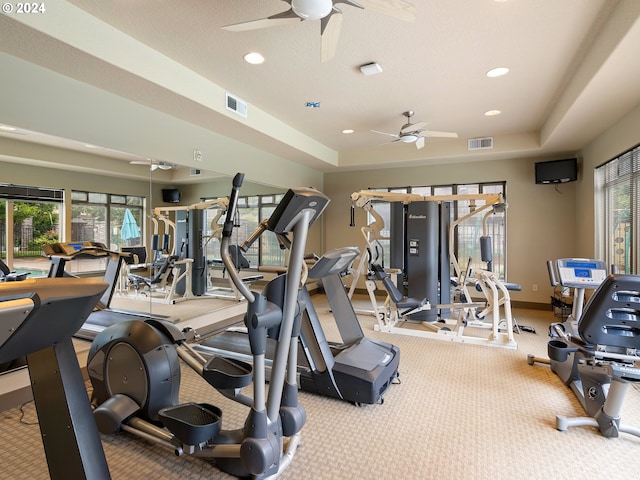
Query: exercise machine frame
[149,352]
[595,352]
[356,368]
[390,317]
[38,318]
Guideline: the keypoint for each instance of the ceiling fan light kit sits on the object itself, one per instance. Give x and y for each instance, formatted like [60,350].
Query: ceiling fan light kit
[311,9]
[415,132]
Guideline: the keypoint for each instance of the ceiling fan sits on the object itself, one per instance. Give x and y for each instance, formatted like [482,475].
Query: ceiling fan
[330,18]
[154,165]
[415,132]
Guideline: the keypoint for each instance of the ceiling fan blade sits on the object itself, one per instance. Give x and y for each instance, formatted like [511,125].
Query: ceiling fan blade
[395,140]
[330,27]
[283,18]
[432,133]
[353,3]
[396,136]
[393,8]
[152,164]
[420,143]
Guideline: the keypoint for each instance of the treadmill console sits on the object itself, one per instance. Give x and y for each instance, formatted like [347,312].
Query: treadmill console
[581,272]
[333,262]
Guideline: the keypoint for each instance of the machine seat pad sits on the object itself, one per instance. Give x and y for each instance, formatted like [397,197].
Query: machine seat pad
[411,303]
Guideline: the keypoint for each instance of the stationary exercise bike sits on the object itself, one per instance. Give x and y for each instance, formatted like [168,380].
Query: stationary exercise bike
[596,351]
[135,372]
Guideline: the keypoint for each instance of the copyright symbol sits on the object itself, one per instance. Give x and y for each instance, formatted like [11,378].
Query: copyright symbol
[7,8]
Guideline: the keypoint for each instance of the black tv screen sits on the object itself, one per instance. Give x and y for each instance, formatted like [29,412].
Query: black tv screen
[557,171]
[170,195]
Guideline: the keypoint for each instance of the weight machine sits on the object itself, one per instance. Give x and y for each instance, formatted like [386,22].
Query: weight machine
[187,229]
[427,263]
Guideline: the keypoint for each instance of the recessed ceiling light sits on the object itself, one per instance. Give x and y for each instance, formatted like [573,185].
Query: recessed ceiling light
[497,72]
[347,131]
[492,113]
[254,58]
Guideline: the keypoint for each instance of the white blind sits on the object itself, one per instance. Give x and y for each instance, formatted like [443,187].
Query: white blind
[618,211]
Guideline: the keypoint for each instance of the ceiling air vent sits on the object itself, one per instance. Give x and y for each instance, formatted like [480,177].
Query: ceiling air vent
[236,105]
[480,143]
[194,172]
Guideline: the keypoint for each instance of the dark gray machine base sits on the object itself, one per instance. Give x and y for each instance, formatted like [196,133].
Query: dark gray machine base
[38,319]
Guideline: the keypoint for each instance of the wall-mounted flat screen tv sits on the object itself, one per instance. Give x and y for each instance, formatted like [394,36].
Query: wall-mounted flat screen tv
[170,195]
[557,171]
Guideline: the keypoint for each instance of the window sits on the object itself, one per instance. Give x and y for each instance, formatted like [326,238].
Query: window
[114,220]
[617,193]
[34,220]
[467,233]
[252,210]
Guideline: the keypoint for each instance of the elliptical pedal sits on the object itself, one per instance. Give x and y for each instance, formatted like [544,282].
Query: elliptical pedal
[226,373]
[192,423]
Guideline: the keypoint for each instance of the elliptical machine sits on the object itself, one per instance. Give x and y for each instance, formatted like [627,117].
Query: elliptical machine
[135,371]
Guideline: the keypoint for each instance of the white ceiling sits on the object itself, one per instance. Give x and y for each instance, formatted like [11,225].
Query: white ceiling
[573,73]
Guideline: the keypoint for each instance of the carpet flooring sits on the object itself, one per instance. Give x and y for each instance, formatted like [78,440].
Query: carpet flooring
[461,411]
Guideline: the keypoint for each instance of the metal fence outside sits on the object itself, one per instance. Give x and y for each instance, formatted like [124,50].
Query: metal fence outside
[23,241]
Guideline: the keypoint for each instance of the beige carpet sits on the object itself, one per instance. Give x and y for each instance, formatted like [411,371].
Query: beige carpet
[462,411]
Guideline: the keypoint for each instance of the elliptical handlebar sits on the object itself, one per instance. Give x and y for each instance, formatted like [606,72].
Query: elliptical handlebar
[227,230]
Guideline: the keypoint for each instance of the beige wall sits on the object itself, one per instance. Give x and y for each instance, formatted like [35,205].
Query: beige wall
[540,218]
[619,138]
[544,221]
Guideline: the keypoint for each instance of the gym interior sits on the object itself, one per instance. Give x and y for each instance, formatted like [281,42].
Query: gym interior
[429,312]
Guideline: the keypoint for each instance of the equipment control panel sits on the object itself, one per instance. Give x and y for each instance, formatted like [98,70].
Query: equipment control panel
[581,272]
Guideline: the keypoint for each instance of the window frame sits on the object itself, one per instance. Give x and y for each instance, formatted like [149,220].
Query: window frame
[499,264]
[265,251]
[616,189]
[109,201]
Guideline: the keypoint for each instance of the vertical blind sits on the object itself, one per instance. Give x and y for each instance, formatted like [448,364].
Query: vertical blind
[617,189]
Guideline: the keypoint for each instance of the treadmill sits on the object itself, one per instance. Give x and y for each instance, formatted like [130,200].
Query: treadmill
[357,369]
[103,315]
[38,316]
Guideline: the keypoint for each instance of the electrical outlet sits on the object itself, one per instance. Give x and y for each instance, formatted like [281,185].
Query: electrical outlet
[534,287]
[197,155]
